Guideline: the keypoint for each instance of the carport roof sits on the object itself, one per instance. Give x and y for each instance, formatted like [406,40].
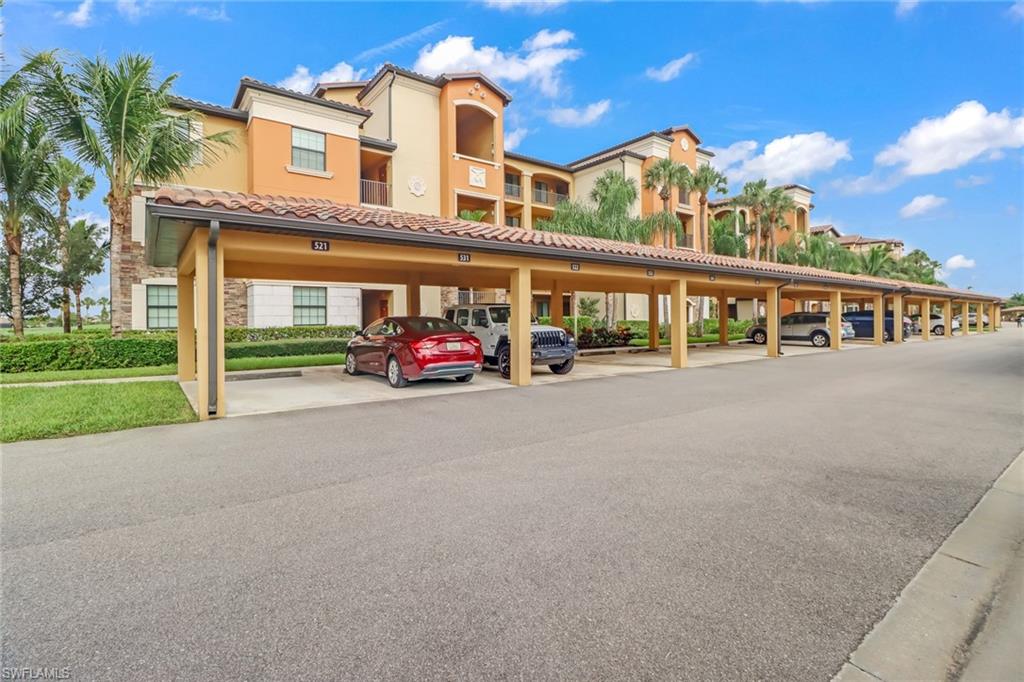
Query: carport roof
[327,218]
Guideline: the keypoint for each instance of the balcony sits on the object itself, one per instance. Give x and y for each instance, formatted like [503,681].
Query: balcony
[685,242]
[513,191]
[375,193]
[548,198]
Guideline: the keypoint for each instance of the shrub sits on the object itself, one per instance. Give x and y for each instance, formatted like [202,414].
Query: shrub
[602,337]
[84,352]
[569,320]
[233,334]
[273,349]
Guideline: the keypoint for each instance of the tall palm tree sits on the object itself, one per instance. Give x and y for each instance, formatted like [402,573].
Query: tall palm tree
[103,302]
[663,176]
[877,262]
[89,302]
[87,253]
[71,180]
[117,118]
[727,239]
[777,204]
[754,197]
[26,154]
[707,179]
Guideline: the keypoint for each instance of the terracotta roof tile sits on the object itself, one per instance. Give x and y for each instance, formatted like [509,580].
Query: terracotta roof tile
[325,211]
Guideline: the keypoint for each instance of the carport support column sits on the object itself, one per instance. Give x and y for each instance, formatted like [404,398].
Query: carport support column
[878,311]
[412,296]
[897,318]
[772,315]
[926,319]
[209,325]
[947,319]
[653,323]
[835,319]
[723,320]
[519,328]
[557,296]
[965,328]
[186,329]
[677,315]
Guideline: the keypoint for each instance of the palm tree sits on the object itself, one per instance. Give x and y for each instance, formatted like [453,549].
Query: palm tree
[706,179]
[663,176]
[777,204]
[26,153]
[117,118]
[89,303]
[754,197]
[875,262]
[726,239]
[70,180]
[103,302]
[87,253]
[471,215]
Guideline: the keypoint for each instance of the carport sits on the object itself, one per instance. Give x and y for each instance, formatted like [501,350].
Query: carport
[209,235]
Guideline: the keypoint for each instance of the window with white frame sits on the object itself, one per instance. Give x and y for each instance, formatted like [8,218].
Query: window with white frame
[308,150]
[309,306]
[161,306]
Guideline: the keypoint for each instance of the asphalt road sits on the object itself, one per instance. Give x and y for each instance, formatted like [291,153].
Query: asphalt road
[741,521]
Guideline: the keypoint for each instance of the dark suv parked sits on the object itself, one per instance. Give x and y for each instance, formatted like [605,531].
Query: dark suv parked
[863,322]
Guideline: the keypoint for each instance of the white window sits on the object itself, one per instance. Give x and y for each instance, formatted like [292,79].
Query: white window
[161,306]
[309,306]
[308,150]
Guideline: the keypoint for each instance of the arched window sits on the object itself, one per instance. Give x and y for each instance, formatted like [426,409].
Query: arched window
[474,132]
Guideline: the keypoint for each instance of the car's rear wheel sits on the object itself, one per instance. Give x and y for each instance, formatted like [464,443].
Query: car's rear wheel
[395,376]
[759,337]
[464,379]
[564,367]
[939,330]
[350,364]
[819,339]
[885,336]
[505,361]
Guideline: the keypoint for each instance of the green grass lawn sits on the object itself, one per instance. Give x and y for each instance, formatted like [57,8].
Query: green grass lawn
[707,338]
[163,370]
[29,331]
[32,412]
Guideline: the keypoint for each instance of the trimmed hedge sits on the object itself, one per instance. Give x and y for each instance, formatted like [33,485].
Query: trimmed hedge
[273,349]
[234,334]
[86,353]
[567,322]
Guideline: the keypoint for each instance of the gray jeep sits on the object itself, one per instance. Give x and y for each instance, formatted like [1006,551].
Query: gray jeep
[550,346]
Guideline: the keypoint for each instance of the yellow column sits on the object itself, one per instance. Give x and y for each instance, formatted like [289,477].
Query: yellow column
[557,316]
[677,309]
[653,320]
[897,317]
[413,306]
[222,407]
[186,329]
[926,319]
[772,313]
[723,319]
[526,187]
[878,309]
[519,328]
[997,316]
[202,325]
[835,320]
[965,312]
[947,319]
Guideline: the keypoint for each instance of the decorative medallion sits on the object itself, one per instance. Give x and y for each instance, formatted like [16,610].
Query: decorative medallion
[417,186]
[684,143]
[477,176]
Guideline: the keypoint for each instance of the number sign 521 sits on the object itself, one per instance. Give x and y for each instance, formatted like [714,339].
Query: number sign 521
[321,245]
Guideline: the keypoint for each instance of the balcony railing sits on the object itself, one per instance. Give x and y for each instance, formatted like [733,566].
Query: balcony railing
[375,192]
[549,198]
[513,191]
[686,242]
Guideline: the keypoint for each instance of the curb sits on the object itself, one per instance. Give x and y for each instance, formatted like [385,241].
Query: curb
[927,632]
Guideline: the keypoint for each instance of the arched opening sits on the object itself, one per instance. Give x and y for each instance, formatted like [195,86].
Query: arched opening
[801,220]
[474,132]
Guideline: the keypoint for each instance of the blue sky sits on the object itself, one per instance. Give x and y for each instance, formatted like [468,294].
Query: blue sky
[907,119]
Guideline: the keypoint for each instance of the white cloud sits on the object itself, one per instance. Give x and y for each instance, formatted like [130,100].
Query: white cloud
[130,9]
[301,80]
[540,67]
[532,6]
[905,7]
[921,204]
[545,38]
[671,70]
[784,159]
[957,262]
[569,117]
[872,183]
[80,17]
[400,41]
[93,218]
[1017,10]
[514,138]
[973,181]
[209,13]
[966,133]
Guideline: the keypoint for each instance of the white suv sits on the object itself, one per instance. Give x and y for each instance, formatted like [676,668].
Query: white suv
[550,346]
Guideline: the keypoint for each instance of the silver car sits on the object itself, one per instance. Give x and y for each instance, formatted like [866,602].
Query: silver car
[811,327]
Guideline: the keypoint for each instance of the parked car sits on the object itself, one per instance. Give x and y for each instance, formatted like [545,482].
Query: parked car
[972,319]
[863,322]
[938,324]
[550,346]
[811,327]
[405,349]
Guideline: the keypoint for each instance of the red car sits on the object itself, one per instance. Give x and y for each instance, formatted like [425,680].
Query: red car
[406,349]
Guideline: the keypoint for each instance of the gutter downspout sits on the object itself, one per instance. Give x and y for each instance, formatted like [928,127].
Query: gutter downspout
[213,333]
[778,309]
[390,113]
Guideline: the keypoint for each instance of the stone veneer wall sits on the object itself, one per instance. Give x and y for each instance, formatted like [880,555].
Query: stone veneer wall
[450,296]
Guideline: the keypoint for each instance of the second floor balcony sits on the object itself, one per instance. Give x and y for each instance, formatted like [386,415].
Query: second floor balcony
[375,193]
[548,197]
[513,191]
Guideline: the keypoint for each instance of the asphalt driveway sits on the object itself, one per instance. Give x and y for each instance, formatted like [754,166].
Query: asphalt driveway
[741,521]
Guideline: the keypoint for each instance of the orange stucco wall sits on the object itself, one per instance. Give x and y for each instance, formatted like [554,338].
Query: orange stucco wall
[270,152]
[455,172]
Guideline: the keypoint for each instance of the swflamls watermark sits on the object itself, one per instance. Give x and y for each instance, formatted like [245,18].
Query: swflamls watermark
[35,673]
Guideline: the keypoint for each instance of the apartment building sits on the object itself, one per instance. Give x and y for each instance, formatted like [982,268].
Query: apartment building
[860,244]
[416,143]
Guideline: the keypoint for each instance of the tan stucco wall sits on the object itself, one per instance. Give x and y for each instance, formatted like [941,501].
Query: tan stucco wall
[583,181]
[270,151]
[416,130]
[344,95]
[229,170]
